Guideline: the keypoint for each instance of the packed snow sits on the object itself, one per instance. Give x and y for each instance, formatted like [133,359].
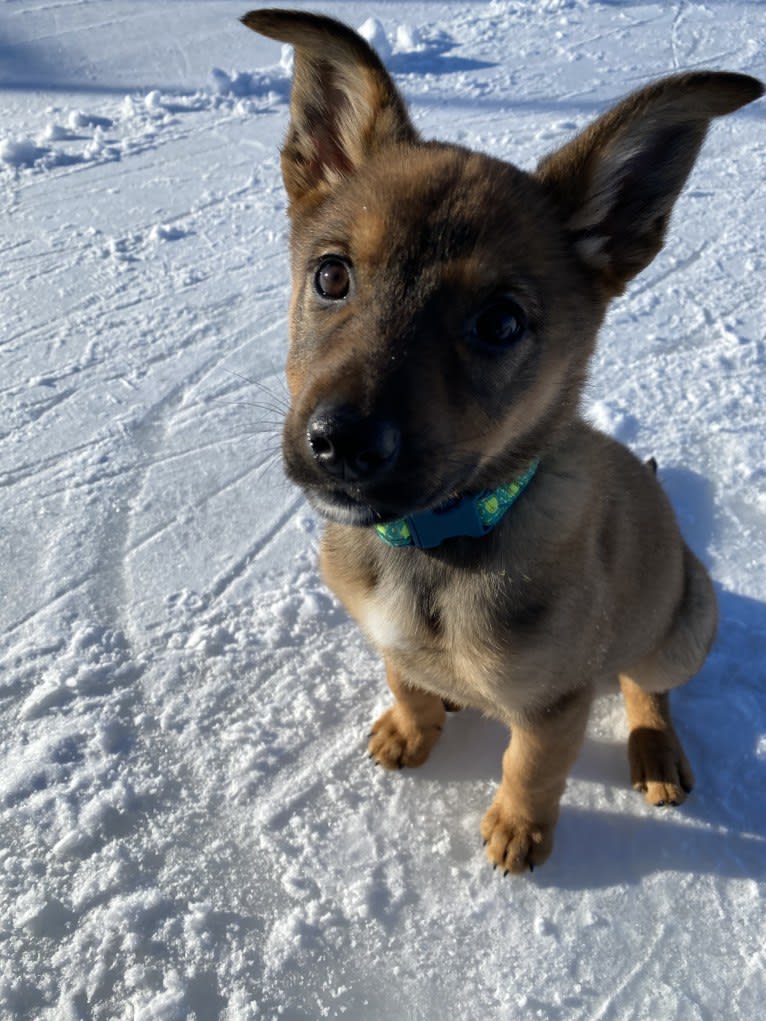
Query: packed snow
[190,826]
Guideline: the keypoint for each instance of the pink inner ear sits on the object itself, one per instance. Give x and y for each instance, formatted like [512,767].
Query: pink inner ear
[328,153]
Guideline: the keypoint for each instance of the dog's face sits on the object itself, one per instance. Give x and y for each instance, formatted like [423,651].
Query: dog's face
[445,304]
[440,333]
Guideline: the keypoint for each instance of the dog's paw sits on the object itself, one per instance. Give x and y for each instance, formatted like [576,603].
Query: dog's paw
[513,843]
[397,740]
[658,766]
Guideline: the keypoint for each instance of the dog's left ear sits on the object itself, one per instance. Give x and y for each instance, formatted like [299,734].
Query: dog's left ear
[344,105]
[615,184]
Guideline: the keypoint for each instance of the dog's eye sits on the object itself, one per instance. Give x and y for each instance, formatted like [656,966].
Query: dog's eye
[332,279]
[498,325]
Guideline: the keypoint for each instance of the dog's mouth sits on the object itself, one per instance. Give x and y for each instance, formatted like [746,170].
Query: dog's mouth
[343,509]
[359,509]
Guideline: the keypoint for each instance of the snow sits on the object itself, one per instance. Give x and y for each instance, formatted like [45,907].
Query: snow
[190,825]
[374,32]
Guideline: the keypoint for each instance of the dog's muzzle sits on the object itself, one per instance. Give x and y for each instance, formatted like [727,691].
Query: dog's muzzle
[352,448]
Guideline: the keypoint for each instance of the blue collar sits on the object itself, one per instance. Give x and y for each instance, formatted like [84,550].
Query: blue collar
[468,516]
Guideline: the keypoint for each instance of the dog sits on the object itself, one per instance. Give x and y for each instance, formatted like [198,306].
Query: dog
[498,551]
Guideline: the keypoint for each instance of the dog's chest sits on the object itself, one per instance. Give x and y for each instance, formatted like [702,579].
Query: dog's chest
[440,639]
[472,633]
[385,626]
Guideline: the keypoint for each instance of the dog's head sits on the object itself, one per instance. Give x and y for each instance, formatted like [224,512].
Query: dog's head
[445,304]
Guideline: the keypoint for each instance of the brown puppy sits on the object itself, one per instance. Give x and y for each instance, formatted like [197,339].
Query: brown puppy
[445,306]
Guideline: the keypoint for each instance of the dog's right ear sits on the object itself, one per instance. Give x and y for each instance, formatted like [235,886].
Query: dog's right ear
[343,107]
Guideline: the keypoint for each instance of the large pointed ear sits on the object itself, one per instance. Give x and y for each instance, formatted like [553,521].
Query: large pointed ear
[343,107]
[615,184]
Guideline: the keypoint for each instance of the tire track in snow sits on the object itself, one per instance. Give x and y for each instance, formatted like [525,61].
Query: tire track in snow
[59,595]
[160,529]
[32,470]
[678,17]
[609,1007]
[36,412]
[241,564]
[678,266]
[151,436]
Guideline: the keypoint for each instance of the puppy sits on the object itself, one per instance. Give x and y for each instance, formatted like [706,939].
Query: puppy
[498,551]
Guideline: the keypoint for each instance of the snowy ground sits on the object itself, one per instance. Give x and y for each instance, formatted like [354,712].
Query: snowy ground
[189,825]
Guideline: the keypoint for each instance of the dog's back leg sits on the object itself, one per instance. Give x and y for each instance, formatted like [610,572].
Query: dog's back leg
[686,643]
[658,765]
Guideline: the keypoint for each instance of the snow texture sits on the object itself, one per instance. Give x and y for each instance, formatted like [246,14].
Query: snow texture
[190,827]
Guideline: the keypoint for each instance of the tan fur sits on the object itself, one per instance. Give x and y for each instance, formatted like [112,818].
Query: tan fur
[405,734]
[587,579]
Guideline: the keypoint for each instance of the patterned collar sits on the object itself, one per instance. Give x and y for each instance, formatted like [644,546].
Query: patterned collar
[468,516]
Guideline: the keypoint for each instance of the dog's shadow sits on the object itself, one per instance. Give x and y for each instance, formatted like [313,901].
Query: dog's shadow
[721,718]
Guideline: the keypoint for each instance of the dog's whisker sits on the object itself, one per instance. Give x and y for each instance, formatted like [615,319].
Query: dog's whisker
[260,385]
[255,405]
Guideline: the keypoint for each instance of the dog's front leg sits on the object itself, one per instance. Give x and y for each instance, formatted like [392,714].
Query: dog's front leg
[518,827]
[405,734]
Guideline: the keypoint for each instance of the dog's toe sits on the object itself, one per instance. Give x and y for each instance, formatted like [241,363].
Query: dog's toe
[398,740]
[515,844]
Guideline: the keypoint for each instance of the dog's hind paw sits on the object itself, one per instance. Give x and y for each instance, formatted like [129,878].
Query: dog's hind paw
[658,766]
[513,843]
[398,740]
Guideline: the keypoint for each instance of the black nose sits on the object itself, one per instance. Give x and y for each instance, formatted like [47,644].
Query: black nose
[351,447]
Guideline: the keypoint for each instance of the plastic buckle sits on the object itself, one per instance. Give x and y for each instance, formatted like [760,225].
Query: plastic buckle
[457,519]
